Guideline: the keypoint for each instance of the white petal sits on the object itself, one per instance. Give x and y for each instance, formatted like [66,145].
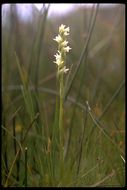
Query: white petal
[58,38]
[61,28]
[67,49]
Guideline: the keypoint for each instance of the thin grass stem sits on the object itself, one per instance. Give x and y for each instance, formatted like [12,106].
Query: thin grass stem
[15,150]
[104,179]
[81,145]
[18,152]
[26,161]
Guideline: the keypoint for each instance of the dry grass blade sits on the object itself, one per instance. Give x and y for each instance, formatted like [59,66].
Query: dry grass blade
[104,179]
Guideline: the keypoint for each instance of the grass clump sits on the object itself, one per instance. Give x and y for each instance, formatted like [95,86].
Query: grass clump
[63,126]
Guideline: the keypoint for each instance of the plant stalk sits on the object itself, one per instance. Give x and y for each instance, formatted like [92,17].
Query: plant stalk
[61,124]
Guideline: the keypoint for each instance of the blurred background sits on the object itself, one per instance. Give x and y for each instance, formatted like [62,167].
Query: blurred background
[97,39]
[29,29]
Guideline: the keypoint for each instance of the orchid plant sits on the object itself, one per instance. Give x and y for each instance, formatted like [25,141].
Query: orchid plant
[60,56]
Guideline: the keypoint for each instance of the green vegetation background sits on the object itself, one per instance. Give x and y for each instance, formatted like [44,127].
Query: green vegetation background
[95,142]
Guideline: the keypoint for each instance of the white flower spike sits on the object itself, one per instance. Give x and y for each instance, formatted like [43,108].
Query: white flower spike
[60,56]
[62,48]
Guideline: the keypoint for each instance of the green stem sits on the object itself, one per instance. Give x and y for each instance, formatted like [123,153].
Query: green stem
[61,124]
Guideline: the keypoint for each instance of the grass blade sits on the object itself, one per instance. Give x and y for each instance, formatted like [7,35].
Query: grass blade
[18,152]
[83,54]
[26,160]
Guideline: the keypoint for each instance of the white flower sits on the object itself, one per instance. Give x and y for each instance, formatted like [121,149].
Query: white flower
[64,30]
[59,62]
[66,70]
[67,49]
[57,56]
[58,59]
[58,39]
[61,28]
[63,70]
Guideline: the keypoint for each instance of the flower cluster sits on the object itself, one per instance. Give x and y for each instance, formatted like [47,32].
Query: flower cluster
[62,48]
